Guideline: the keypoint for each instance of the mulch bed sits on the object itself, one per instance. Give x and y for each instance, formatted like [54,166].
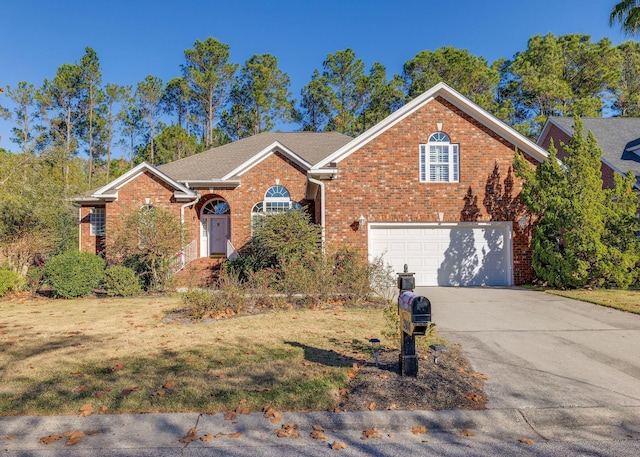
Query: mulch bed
[449,384]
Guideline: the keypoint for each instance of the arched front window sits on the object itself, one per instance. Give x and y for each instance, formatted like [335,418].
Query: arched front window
[439,159]
[276,200]
[216,207]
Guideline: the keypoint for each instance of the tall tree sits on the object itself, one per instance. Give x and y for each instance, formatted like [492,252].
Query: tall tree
[627,13]
[176,100]
[344,74]
[209,74]
[560,76]
[627,95]
[94,97]
[27,132]
[470,75]
[63,97]
[315,103]
[115,97]
[382,97]
[149,94]
[261,93]
[586,235]
[172,143]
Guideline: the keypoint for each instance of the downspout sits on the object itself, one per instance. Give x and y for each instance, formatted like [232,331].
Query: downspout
[80,228]
[322,208]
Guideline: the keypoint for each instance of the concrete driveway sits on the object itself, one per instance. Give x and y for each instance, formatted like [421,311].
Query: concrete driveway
[540,350]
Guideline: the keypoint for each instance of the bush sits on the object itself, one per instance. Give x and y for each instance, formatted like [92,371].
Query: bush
[199,301]
[74,274]
[10,281]
[248,263]
[121,281]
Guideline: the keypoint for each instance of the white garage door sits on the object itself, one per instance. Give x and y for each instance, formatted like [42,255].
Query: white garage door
[464,254]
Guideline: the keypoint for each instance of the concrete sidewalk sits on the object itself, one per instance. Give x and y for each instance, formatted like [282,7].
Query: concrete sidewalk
[606,431]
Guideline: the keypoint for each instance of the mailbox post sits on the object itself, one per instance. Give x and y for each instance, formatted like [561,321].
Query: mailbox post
[415,316]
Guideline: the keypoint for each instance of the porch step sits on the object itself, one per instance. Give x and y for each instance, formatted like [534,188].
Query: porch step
[199,273]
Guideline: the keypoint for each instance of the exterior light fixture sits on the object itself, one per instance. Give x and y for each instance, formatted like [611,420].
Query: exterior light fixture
[522,222]
[440,216]
[147,200]
[375,345]
[436,350]
[361,221]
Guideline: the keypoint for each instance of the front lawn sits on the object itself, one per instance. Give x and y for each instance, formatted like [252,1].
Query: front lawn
[122,356]
[625,300]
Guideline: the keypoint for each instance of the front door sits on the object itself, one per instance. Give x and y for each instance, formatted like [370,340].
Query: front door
[218,230]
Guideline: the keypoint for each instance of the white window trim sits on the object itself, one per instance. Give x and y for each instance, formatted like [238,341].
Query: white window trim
[97,221]
[453,162]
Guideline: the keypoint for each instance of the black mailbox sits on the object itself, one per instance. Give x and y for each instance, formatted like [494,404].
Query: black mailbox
[415,313]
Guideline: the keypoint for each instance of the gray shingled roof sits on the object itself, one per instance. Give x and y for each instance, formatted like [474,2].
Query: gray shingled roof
[218,162]
[615,136]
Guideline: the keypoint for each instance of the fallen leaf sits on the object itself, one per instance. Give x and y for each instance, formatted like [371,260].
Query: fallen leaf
[316,427]
[50,439]
[169,385]
[103,408]
[372,406]
[128,390]
[351,374]
[86,410]
[74,437]
[417,430]
[526,441]
[235,435]
[79,388]
[190,436]
[466,432]
[383,376]
[92,432]
[206,438]
[472,397]
[288,431]
[230,416]
[392,407]
[338,445]
[370,433]
[318,435]
[9,437]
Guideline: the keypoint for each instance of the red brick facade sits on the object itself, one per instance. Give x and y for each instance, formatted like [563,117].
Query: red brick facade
[380,181]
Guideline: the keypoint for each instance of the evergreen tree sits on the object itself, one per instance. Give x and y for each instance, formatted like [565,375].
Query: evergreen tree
[586,235]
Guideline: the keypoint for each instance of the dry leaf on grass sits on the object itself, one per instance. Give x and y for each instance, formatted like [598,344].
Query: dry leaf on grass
[392,407]
[472,397]
[86,410]
[417,430]
[169,385]
[372,406]
[370,433]
[9,437]
[230,416]
[128,390]
[526,441]
[466,432]
[338,445]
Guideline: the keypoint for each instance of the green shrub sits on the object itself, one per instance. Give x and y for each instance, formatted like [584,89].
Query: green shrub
[10,281]
[248,263]
[74,274]
[199,302]
[121,281]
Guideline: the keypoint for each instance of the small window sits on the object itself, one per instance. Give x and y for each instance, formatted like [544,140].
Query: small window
[216,207]
[439,159]
[97,222]
[276,200]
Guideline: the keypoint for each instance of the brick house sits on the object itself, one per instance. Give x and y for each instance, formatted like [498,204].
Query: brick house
[618,138]
[430,186]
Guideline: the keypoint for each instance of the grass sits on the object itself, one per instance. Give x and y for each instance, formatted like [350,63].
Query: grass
[624,300]
[119,356]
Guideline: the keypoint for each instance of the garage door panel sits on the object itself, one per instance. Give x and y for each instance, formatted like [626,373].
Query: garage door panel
[452,256]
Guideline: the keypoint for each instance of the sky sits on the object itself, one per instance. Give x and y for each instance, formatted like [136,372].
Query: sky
[136,38]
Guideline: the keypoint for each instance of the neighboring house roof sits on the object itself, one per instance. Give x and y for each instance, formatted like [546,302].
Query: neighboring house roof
[459,101]
[229,161]
[618,138]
